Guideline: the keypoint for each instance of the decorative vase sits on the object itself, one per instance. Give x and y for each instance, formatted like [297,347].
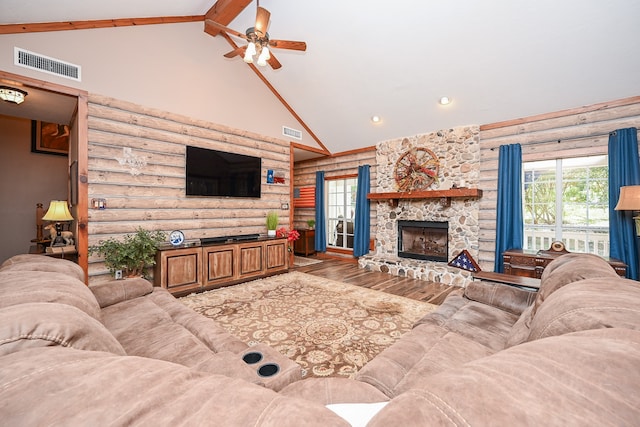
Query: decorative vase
[271,233]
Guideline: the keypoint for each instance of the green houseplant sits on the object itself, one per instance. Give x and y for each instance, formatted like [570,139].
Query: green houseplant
[132,254]
[272,222]
[311,223]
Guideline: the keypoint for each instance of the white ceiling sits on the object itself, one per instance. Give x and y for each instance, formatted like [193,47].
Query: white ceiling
[496,59]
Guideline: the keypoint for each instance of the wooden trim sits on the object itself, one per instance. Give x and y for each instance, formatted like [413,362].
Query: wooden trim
[562,113]
[40,27]
[82,209]
[225,11]
[445,196]
[355,151]
[308,148]
[22,81]
[337,177]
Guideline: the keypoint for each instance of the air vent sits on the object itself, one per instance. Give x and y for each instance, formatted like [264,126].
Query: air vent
[292,133]
[35,61]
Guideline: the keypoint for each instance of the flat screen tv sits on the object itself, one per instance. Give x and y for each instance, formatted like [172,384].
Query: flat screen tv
[221,174]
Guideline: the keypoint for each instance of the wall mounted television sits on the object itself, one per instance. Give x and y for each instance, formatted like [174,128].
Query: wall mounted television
[214,173]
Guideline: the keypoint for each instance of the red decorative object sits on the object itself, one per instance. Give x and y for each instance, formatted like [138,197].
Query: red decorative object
[291,235]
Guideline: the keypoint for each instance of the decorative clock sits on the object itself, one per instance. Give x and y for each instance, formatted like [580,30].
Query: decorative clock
[416,170]
[176,237]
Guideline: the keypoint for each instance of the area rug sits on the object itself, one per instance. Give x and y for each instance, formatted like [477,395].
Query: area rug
[300,261]
[329,328]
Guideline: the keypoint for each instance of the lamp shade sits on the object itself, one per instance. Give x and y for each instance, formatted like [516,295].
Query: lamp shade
[58,211]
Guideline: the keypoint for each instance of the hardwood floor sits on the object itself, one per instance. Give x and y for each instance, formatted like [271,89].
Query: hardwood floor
[348,272]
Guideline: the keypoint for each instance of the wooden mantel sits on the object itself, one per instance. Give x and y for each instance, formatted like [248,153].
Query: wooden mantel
[445,196]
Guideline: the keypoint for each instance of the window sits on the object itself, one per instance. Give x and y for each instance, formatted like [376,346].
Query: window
[578,215]
[341,206]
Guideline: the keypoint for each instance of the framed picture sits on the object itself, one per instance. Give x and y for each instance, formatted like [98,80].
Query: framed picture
[49,138]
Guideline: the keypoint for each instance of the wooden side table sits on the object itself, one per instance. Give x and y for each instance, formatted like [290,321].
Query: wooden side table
[305,245]
[525,263]
[69,253]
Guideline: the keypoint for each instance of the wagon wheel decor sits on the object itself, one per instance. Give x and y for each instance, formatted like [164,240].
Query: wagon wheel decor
[416,170]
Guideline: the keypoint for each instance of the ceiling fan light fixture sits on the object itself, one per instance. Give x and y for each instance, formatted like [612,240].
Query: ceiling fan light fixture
[11,94]
[251,50]
[264,57]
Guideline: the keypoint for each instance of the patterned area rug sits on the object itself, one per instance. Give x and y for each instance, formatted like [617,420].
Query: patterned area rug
[329,328]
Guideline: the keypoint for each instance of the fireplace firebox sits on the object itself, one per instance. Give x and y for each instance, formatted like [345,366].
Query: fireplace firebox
[425,240]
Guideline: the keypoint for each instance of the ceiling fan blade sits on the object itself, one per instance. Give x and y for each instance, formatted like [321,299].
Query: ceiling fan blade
[288,44]
[262,20]
[214,24]
[238,51]
[275,64]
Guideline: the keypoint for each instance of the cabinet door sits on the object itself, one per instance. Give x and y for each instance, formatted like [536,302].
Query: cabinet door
[277,255]
[179,269]
[251,259]
[220,264]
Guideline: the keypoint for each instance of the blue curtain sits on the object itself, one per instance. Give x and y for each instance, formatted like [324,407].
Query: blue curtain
[624,169]
[320,242]
[509,220]
[361,231]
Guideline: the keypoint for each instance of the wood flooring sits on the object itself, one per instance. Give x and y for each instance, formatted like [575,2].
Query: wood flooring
[347,271]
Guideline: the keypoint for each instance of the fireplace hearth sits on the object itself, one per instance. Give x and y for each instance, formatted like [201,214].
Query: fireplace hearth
[424,240]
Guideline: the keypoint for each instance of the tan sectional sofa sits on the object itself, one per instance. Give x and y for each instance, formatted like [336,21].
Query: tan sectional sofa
[123,353]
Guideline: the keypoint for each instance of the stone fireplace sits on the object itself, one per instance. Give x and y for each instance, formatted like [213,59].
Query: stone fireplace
[458,153]
[424,240]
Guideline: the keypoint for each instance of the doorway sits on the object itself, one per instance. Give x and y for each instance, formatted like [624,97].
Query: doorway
[53,103]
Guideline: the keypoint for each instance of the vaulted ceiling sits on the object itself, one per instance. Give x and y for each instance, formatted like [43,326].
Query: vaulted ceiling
[496,60]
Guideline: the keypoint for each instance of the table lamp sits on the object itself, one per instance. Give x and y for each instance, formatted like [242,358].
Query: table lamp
[629,200]
[58,212]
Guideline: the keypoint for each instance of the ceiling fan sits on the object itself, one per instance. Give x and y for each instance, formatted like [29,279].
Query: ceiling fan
[258,40]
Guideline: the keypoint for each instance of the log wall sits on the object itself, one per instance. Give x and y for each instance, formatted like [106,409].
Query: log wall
[334,166]
[572,133]
[137,164]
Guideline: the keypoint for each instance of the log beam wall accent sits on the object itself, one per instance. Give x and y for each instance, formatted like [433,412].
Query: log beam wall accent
[137,164]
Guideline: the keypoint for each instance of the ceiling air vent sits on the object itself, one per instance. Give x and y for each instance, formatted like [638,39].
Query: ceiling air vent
[292,133]
[35,61]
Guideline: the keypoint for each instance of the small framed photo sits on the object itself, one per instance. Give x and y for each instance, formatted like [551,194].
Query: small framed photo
[49,138]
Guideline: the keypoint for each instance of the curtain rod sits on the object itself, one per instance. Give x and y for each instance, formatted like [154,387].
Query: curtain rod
[567,139]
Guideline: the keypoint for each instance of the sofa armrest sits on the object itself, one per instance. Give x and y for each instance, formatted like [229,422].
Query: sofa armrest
[115,291]
[508,298]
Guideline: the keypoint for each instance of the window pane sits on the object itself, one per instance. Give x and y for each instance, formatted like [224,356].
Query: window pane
[580,217]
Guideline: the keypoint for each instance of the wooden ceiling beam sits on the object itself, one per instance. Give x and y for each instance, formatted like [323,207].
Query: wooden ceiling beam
[223,12]
[99,23]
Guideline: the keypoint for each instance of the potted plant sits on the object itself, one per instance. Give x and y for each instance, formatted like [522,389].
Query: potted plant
[311,223]
[272,223]
[132,254]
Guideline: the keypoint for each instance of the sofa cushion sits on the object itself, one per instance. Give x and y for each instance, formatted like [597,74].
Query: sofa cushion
[32,262]
[508,298]
[160,327]
[579,379]
[115,291]
[43,324]
[570,268]
[332,390]
[562,271]
[479,322]
[66,387]
[588,304]
[19,287]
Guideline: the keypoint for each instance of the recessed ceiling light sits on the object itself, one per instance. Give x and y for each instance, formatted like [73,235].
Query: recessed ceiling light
[445,100]
[375,119]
